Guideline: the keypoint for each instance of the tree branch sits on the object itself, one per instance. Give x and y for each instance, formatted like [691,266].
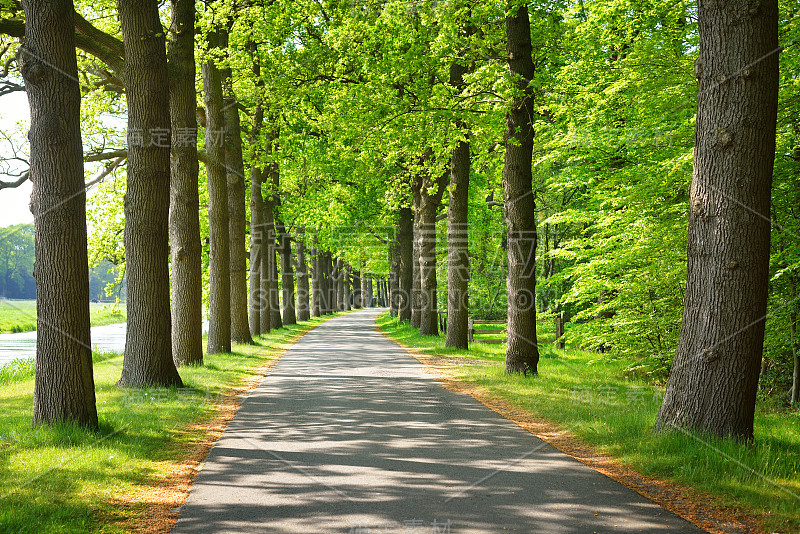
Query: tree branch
[102,156]
[17,183]
[101,45]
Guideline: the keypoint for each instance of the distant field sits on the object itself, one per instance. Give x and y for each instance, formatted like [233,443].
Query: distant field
[20,315]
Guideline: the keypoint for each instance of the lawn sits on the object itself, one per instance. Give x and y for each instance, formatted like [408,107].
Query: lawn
[590,396]
[20,315]
[67,479]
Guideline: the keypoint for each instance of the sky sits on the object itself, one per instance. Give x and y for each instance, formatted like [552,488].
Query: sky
[14,202]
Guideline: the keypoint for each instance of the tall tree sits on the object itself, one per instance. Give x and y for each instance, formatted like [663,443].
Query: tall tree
[271,244]
[256,230]
[148,343]
[416,283]
[712,386]
[184,223]
[255,302]
[234,166]
[219,328]
[457,226]
[64,385]
[430,198]
[303,311]
[405,253]
[522,352]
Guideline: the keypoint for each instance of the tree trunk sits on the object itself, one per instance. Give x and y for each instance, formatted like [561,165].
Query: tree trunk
[339,285]
[302,280]
[365,297]
[316,290]
[256,226]
[713,382]
[184,222]
[356,289]
[148,342]
[240,329]
[522,352]
[275,319]
[267,242]
[271,245]
[346,284]
[405,259]
[458,230]
[329,284]
[64,384]
[426,237]
[416,286]
[219,327]
[287,273]
[394,278]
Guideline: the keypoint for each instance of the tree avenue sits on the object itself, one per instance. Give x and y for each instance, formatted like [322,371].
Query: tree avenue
[550,167]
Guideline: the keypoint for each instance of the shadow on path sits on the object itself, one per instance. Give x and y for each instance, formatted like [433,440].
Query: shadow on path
[348,434]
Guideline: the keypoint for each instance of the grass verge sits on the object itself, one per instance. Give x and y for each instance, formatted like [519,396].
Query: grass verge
[20,315]
[138,466]
[586,405]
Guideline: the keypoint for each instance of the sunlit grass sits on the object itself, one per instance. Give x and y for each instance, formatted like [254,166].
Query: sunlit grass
[67,479]
[20,315]
[592,397]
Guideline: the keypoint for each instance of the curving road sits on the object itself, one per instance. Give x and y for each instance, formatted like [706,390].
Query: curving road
[349,435]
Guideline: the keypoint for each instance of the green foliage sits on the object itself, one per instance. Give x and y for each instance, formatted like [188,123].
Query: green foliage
[16,262]
[17,371]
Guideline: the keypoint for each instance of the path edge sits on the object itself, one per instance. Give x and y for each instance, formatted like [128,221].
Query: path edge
[164,499]
[680,500]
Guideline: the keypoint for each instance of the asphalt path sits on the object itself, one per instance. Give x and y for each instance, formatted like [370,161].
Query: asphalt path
[348,434]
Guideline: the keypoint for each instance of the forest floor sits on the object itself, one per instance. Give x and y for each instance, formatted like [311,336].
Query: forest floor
[130,474]
[589,406]
[20,315]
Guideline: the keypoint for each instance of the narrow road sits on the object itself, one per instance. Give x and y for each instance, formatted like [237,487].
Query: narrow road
[349,435]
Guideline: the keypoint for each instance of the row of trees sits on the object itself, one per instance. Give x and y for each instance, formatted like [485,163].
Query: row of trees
[506,159]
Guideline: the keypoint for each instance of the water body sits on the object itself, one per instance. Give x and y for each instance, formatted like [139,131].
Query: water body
[108,338]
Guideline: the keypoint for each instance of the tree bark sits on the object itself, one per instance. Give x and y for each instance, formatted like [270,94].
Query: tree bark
[302,280]
[522,352]
[346,282]
[330,289]
[271,249]
[339,285]
[184,222]
[287,274]
[458,231]
[255,303]
[219,328]
[234,166]
[416,286]
[316,289]
[356,289]
[64,384]
[405,258]
[713,382]
[426,237]
[148,342]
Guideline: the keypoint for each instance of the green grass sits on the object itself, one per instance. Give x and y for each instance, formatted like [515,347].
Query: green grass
[20,315]
[67,479]
[592,397]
